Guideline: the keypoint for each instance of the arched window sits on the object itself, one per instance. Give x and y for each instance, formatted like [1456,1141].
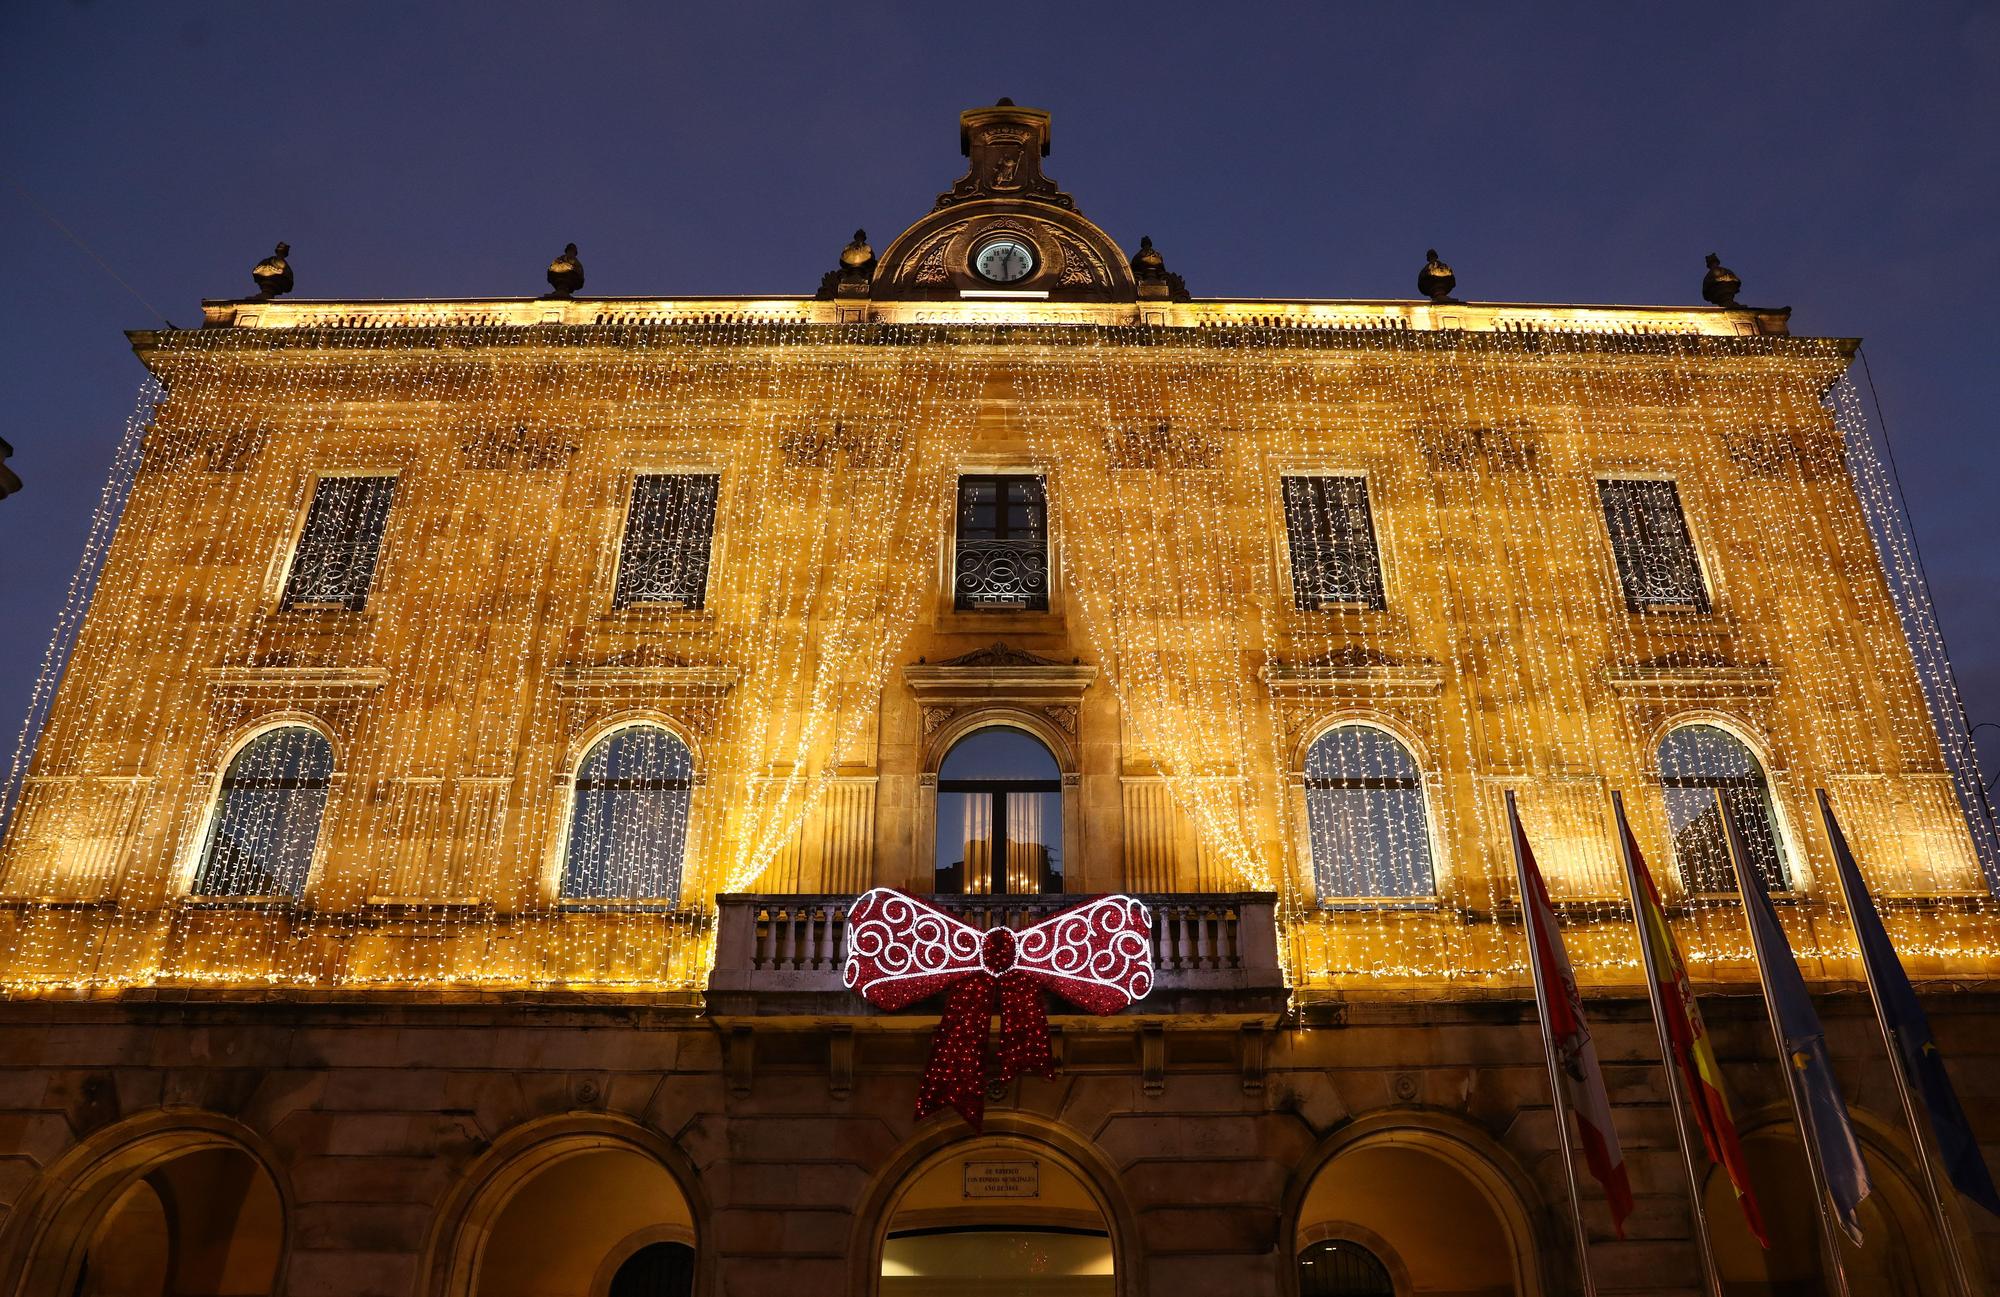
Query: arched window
[267,815]
[1365,811]
[628,819]
[999,816]
[1338,1268]
[1697,761]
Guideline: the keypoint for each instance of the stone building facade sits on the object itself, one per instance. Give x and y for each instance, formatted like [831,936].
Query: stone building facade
[431,875]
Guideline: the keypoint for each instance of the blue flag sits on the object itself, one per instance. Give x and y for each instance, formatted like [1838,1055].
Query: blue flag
[1822,1111]
[1903,1016]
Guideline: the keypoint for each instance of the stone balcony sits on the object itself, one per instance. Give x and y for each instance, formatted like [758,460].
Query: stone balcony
[1215,955]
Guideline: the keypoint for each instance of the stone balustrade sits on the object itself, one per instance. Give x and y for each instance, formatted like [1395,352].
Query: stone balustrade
[1215,953]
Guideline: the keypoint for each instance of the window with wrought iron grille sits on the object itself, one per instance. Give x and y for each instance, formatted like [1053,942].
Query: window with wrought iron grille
[663,558]
[333,563]
[1331,535]
[1649,535]
[1002,555]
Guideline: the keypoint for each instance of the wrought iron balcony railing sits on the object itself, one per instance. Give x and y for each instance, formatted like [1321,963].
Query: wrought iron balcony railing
[1214,953]
[1002,574]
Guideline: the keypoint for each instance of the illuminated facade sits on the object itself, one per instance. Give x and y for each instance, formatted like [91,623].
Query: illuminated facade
[433,860]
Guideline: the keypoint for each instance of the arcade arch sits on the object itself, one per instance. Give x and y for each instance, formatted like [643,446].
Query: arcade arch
[152,1207]
[1003,1213]
[1426,1203]
[588,1206]
[1900,1255]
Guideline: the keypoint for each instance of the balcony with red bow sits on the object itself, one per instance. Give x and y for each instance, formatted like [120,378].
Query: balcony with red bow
[1215,955]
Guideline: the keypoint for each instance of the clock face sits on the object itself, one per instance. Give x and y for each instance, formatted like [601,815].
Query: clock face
[1004,261]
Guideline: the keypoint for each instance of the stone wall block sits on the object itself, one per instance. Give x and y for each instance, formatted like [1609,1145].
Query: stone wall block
[1239,1230]
[371,1179]
[762,1276]
[368,1227]
[740,1184]
[1231,1275]
[315,1273]
[679,1103]
[1248,1182]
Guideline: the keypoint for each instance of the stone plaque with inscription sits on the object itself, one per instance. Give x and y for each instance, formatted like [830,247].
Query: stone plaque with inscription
[1021,1179]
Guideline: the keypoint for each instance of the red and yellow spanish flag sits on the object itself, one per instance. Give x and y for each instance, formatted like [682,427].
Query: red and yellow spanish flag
[1694,1053]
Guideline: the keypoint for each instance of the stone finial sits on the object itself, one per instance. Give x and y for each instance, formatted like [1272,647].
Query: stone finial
[1147,263]
[1150,271]
[857,256]
[274,274]
[1435,280]
[565,273]
[851,277]
[1720,285]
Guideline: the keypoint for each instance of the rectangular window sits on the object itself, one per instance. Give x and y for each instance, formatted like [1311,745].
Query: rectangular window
[1649,536]
[1002,544]
[334,561]
[664,555]
[1332,540]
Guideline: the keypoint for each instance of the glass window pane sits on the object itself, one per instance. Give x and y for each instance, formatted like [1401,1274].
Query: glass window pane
[1657,567]
[1001,549]
[267,817]
[1034,842]
[669,531]
[628,823]
[1697,761]
[1330,536]
[1366,818]
[999,815]
[334,561]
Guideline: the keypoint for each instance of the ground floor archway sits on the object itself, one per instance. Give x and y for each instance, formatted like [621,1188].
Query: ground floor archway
[156,1207]
[999,1215]
[1899,1256]
[1395,1208]
[577,1207]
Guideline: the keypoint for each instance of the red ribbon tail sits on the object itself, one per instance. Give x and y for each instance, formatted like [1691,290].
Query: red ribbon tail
[956,1076]
[1024,1028]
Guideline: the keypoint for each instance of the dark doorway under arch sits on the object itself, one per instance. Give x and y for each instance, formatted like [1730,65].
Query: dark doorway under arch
[655,1270]
[1339,1268]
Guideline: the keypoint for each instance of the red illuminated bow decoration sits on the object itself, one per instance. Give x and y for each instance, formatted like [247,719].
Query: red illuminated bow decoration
[1098,956]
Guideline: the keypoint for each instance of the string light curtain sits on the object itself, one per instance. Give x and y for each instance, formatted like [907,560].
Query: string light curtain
[1507,653]
[491,649]
[493,646]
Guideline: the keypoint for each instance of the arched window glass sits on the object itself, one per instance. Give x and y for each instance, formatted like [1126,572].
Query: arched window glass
[656,1270]
[1338,1268]
[1697,761]
[999,816]
[628,819]
[267,816]
[1365,811]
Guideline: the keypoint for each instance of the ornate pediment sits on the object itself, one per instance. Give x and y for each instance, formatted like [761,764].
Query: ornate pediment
[1002,230]
[1005,145]
[997,654]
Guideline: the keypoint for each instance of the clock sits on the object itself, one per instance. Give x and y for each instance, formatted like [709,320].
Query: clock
[1004,261]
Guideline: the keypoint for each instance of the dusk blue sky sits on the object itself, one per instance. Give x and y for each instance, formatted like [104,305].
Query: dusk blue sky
[1842,158]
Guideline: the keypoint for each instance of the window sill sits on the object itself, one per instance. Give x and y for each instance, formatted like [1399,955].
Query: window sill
[1377,905]
[646,613]
[266,903]
[613,905]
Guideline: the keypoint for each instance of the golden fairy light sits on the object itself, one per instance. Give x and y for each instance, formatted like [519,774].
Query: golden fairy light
[638,593]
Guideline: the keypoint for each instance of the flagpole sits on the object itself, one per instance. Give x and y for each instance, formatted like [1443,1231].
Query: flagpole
[1711,1278]
[1549,1048]
[1945,1234]
[1829,1242]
